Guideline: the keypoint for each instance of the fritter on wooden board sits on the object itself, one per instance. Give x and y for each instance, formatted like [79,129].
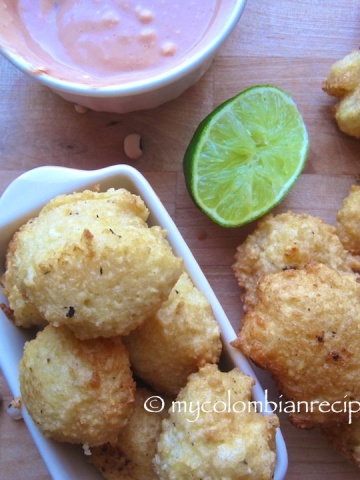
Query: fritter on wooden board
[345,438]
[284,241]
[348,221]
[343,82]
[305,330]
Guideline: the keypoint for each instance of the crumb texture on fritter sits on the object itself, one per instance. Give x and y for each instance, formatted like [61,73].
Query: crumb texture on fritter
[286,241]
[348,221]
[343,82]
[344,75]
[345,438]
[130,457]
[77,391]
[89,261]
[182,336]
[211,441]
[305,330]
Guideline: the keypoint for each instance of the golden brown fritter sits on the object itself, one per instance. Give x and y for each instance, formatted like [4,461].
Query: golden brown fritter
[344,75]
[348,221]
[285,241]
[89,261]
[79,211]
[305,330]
[345,438]
[77,391]
[213,431]
[344,82]
[181,337]
[347,114]
[130,457]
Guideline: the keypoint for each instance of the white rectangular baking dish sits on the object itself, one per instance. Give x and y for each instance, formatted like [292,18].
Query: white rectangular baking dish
[22,200]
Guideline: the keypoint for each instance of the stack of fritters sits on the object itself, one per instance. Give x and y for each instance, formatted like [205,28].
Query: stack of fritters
[120,321]
[343,82]
[302,320]
[287,241]
[90,261]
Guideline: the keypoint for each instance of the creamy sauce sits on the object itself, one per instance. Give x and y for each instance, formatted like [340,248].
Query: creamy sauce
[102,38]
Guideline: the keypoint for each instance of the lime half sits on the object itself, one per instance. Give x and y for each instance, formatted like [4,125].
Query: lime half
[246,155]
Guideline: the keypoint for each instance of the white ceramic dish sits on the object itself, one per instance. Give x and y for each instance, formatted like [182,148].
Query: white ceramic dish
[22,200]
[126,96]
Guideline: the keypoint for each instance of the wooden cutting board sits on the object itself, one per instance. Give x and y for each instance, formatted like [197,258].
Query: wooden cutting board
[287,43]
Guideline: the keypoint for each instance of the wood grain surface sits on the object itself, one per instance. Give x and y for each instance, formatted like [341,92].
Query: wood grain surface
[288,43]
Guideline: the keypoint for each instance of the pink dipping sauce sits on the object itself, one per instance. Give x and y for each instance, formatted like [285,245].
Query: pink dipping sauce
[112,38]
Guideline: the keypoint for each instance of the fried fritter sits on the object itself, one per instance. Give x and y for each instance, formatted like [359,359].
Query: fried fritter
[82,209]
[348,221]
[77,391]
[181,337]
[344,75]
[23,313]
[88,205]
[130,458]
[305,330]
[89,261]
[347,114]
[213,431]
[285,241]
[344,82]
[345,438]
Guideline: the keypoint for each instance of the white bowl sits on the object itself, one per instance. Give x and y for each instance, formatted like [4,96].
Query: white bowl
[137,94]
[22,200]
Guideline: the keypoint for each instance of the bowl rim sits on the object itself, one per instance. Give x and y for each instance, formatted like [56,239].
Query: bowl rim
[22,199]
[133,87]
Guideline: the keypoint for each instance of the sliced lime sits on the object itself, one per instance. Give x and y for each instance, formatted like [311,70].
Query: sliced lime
[246,155]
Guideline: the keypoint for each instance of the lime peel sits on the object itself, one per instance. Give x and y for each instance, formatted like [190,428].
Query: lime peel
[246,155]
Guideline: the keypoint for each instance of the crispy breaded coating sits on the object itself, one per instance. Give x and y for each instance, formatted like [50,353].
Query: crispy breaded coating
[348,221]
[181,337]
[82,208]
[344,75]
[23,313]
[344,82]
[89,261]
[305,330]
[76,391]
[129,209]
[345,438]
[130,457]
[213,431]
[347,114]
[285,241]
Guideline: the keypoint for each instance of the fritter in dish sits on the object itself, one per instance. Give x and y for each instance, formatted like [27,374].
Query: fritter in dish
[285,241]
[344,82]
[305,330]
[130,458]
[348,221]
[213,431]
[345,438]
[77,391]
[89,261]
[181,337]
[82,208]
